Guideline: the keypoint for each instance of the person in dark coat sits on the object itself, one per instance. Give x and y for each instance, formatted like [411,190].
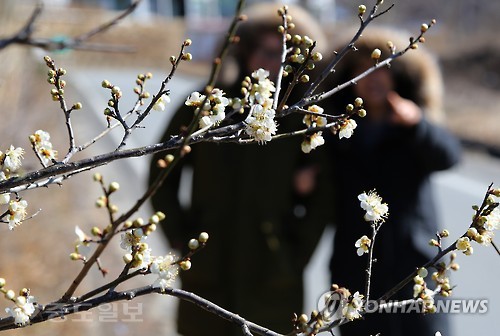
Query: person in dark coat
[263,227]
[394,150]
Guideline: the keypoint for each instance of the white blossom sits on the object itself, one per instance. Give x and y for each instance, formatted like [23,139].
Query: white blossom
[376,211]
[260,74]
[161,103]
[312,142]
[144,257]
[195,99]
[43,146]
[260,123]
[463,244]
[347,129]
[353,309]
[16,213]
[12,159]
[23,310]
[312,120]
[131,238]
[82,245]
[363,245]
[166,270]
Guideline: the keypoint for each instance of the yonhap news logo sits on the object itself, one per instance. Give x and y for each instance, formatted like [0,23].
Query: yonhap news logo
[331,305]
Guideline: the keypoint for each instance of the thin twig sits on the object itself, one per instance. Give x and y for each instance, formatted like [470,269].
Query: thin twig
[283,57]
[350,46]
[24,35]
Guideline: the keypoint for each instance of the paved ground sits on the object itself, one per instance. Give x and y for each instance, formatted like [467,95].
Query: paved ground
[455,190]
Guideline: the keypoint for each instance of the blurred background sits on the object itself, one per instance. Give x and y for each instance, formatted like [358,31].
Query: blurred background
[35,255]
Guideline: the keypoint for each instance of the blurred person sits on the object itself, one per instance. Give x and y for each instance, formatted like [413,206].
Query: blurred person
[394,150]
[261,214]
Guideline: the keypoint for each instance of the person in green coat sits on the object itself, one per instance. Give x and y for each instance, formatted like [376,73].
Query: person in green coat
[263,219]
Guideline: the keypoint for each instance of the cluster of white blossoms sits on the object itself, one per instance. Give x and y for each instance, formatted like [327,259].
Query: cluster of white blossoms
[311,120]
[352,310]
[483,227]
[422,293]
[260,123]
[363,245]
[24,304]
[376,211]
[167,270]
[23,310]
[483,230]
[138,252]
[214,110]
[16,213]
[10,163]
[40,141]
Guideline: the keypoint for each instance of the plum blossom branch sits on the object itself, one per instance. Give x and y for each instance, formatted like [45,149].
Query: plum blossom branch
[24,36]
[412,45]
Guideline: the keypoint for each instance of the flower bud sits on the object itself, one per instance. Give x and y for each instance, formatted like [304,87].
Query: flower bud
[424,27]
[101,202]
[349,108]
[422,272]
[10,295]
[20,301]
[376,53]
[445,233]
[303,318]
[169,158]
[361,9]
[97,177]
[161,215]
[77,106]
[74,256]
[187,42]
[95,231]
[154,219]
[296,39]
[304,78]
[358,102]
[362,113]
[2,282]
[187,57]
[317,56]
[203,238]
[433,242]
[127,258]
[185,265]
[193,244]
[138,222]
[113,186]
[106,84]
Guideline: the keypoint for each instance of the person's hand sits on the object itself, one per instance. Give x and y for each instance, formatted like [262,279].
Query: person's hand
[404,111]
